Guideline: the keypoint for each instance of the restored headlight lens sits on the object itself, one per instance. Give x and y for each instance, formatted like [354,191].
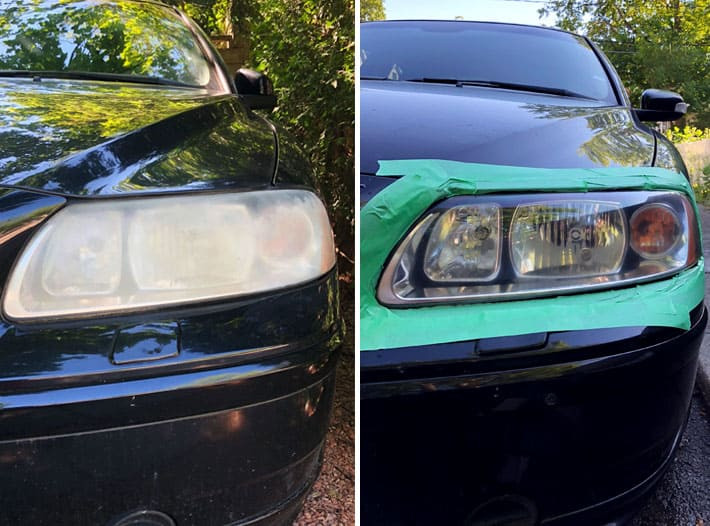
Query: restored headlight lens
[571,238]
[492,248]
[464,244]
[655,230]
[117,255]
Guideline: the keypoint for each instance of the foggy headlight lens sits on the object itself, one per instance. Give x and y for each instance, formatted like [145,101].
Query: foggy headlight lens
[119,255]
[493,248]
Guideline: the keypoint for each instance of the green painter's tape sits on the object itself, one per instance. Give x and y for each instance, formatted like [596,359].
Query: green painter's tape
[392,212]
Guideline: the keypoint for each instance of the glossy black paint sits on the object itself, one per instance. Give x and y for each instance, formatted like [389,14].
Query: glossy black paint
[667,155]
[212,413]
[403,120]
[661,105]
[406,120]
[229,428]
[573,428]
[111,139]
[255,88]
[582,425]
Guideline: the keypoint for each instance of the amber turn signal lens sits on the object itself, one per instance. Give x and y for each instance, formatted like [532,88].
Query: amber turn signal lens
[655,230]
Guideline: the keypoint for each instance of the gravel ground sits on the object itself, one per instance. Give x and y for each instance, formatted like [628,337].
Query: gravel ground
[682,498]
[332,499]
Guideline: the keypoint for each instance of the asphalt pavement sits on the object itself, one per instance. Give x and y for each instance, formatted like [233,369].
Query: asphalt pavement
[683,496]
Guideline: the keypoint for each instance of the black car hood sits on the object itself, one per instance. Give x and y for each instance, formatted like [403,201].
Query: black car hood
[100,138]
[406,120]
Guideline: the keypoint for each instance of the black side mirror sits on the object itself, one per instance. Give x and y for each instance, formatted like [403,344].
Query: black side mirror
[255,89]
[661,105]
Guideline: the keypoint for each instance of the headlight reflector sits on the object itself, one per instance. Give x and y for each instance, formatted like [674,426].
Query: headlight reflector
[571,238]
[539,245]
[464,245]
[109,256]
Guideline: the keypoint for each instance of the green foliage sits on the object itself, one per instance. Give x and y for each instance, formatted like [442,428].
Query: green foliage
[652,44]
[209,14]
[307,48]
[687,134]
[702,189]
[702,193]
[371,10]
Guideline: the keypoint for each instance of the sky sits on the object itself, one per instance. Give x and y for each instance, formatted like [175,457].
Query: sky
[514,11]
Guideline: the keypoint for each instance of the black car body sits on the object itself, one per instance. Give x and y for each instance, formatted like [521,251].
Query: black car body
[212,411]
[541,427]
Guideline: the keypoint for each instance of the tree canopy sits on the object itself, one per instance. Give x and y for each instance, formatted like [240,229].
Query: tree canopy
[371,10]
[652,43]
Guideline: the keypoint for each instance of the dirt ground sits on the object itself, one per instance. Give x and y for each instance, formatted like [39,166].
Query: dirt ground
[332,499]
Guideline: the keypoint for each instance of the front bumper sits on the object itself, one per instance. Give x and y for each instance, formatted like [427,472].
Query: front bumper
[224,433]
[225,467]
[576,425]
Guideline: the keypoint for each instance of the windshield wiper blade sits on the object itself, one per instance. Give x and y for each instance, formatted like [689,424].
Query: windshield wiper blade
[504,85]
[433,80]
[523,87]
[90,75]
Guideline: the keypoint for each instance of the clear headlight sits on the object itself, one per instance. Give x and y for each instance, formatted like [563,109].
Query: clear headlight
[111,256]
[464,245]
[492,248]
[571,238]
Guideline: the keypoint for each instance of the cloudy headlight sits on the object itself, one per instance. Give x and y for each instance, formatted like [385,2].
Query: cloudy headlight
[492,248]
[111,256]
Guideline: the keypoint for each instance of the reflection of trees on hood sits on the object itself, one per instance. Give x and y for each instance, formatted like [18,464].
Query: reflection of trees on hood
[41,123]
[76,137]
[88,137]
[614,139]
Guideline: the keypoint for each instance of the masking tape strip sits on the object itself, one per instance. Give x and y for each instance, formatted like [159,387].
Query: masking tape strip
[391,213]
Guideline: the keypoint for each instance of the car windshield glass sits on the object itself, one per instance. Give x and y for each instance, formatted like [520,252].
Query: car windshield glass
[496,55]
[124,40]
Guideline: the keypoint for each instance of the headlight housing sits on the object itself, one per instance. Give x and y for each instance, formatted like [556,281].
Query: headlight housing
[116,255]
[492,248]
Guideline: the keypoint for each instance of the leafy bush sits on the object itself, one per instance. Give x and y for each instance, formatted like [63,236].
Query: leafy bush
[687,134]
[702,194]
[702,189]
[211,15]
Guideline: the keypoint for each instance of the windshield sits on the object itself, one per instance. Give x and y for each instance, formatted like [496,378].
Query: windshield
[128,39]
[515,56]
